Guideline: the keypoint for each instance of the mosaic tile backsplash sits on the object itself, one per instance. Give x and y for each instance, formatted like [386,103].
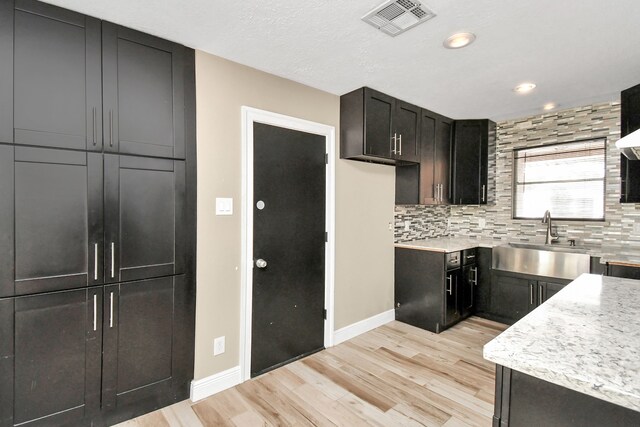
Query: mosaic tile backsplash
[621,227]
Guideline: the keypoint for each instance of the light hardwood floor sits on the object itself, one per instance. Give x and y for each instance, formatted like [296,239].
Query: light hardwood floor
[395,375]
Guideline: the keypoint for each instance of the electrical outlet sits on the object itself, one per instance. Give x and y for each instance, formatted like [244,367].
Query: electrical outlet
[407,226]
[636,228]
[482,223]
[218,346]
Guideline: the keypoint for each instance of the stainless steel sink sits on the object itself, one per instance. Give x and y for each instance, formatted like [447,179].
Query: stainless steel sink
[562,262]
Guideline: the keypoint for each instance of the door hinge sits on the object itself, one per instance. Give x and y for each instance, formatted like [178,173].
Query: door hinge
[326,158]
[326,237]
[324,313]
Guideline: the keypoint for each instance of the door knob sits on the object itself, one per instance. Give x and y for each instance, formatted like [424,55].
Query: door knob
[261,263]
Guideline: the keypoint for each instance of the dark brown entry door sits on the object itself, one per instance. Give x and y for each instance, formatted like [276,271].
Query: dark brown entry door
[289,236]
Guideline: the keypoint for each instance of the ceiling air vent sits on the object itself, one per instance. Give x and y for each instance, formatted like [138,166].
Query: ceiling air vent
[397,16]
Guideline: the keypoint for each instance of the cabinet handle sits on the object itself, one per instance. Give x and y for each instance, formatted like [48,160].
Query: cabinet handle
[531,293]
[95,130]
[450,289]
[95,312]
[484,192]
[540,294]
[475,276]
[111,128]
[95,261]
[395,144]
[442,192]
[113,260]
[111,310]
[400,153]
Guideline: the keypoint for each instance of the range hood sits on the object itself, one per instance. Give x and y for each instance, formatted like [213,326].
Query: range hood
[630,145]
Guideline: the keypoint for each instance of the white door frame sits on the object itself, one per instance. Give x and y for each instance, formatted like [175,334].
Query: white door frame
[249,117]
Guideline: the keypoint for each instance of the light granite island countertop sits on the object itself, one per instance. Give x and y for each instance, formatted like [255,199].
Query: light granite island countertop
[585,338]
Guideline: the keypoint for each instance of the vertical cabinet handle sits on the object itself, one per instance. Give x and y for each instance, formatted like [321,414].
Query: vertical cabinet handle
[113,260]
[95,130]
[395,144]
[484,192]
[95,312]
[95,261]
[400,153]
[531,293]
[450,288]
[442,192]
[111,128]
[111,310]
[540,294]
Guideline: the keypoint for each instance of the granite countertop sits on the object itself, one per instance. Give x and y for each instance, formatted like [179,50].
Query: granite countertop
[585,338]
[449,244]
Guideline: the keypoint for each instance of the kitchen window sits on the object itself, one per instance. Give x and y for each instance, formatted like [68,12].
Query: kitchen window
[567,179]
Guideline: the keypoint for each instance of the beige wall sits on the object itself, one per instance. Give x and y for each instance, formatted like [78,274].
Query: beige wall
[364,207]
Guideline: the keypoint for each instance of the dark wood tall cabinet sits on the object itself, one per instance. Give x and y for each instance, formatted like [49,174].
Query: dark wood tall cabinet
[630,169]
[97,219]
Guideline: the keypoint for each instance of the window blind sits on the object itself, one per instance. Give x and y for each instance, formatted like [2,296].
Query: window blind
[566,179]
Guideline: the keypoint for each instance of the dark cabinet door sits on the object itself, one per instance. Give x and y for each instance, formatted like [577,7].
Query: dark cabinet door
[139,337]
[143,87]
[452,288]
[482,297]
[406,131]
[379,110]
[144,217]
[548,289]
[629,122]
[50,91]
[435,152]
[429,189]
[50,358]
[467,158]
[442,170]
[466,289]
[50,219]
[512,297]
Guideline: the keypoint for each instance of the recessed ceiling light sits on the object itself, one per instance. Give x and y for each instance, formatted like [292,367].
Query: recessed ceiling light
[549,106]
[459,40]
[524,87]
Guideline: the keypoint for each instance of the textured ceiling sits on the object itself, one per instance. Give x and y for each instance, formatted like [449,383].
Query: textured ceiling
[576,51]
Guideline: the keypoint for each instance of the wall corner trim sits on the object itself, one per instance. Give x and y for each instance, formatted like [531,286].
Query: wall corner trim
[215,383]
[365,325]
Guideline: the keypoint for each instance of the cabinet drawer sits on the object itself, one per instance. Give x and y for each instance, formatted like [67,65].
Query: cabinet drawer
[469,256]
[452,260]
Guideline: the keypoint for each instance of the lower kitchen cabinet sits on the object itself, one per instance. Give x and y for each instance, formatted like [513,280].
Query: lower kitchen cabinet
[433,291]
[94,356]
[623,270]
[514,295]
[50,356]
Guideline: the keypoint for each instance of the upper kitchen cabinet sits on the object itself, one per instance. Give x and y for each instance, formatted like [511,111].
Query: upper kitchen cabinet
[50,77]
[377,128]
[50,219]
[435,158]
[427,183]
[143,90]
[630,169]
[144,217]
[471,161]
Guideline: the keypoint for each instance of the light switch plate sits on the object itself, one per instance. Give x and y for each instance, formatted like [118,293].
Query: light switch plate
[482,223]
[224,206]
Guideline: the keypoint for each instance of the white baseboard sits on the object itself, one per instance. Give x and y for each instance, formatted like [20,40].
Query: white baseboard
[216,383]
[355,329]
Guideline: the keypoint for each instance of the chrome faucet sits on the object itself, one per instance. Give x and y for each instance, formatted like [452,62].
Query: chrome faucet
[546,219]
